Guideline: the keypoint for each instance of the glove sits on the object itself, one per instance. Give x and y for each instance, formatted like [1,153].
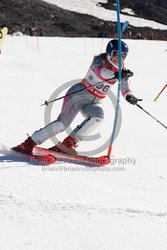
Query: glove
[132,99]
[126,73]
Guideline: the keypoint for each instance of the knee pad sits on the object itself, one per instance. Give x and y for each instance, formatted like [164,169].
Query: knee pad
[86,127]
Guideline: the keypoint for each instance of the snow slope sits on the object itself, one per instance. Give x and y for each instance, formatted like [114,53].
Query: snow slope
[93,8]
[67,206]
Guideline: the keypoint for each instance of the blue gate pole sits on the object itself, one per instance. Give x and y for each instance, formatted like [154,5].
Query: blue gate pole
[119,78]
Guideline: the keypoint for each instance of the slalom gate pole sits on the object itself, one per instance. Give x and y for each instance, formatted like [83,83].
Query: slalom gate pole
[119,78]
[160,93]
[151,115]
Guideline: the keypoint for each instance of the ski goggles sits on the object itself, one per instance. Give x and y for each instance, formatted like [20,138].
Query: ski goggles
[115,53]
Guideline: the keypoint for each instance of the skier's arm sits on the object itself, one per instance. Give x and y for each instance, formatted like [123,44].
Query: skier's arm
[125,90]
[127,93]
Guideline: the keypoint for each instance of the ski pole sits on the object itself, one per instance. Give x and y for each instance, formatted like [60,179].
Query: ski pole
[151,115]
[59,98]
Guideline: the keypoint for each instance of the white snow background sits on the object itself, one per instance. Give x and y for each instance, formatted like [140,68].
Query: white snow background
[65,206]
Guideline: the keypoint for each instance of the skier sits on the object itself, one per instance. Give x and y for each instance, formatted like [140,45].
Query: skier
[103,70]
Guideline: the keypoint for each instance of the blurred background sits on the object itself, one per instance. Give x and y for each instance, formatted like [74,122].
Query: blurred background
[84,18]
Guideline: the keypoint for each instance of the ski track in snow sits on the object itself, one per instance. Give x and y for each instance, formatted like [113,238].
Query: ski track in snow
[24,207]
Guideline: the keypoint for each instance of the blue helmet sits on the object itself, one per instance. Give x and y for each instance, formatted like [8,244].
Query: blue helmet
[112,49]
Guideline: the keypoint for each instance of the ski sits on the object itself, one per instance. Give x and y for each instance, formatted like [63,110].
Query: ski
[31,158]
[79,159]
[43,156]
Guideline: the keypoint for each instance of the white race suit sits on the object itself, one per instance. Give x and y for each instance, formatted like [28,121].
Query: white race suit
[88,101]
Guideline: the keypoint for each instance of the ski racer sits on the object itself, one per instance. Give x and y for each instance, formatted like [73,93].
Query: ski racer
[101,75]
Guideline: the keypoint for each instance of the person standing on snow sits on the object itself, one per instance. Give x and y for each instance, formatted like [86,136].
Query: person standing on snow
[103,70]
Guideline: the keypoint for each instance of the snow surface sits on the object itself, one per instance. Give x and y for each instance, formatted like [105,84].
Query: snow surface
[65,206]
[128,11]
[94,8]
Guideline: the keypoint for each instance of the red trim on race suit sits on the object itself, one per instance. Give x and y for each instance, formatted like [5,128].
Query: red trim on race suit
[126,92]
[92,90]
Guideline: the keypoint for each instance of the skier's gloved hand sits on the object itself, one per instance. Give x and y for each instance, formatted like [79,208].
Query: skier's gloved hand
[126,73]
[132,99]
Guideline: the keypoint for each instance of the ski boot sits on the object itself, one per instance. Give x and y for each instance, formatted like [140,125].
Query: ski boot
[26,147]
[68,146]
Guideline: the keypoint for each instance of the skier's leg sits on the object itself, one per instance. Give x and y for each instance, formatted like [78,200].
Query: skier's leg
[47,132]
[71,106]
[38,137]
[94,113]
[68,113]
